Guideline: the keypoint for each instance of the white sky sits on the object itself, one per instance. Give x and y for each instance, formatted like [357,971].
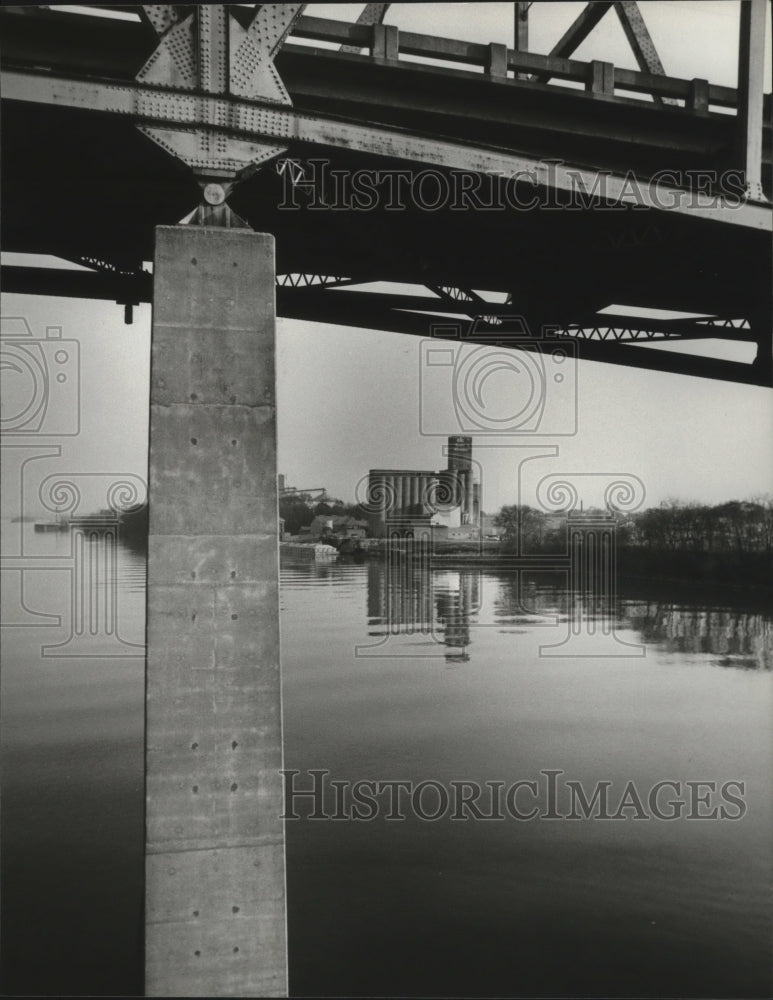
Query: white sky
[348,399]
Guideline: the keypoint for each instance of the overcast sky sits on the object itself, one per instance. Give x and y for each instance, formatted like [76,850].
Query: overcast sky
[348,399]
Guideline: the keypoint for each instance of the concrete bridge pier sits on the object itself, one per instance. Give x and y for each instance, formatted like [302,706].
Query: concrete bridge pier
[215,877]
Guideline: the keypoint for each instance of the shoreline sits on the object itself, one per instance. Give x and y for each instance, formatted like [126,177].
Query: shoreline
[728,571]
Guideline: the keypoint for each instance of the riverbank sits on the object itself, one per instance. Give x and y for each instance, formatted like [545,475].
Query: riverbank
[308,552]
[739,571]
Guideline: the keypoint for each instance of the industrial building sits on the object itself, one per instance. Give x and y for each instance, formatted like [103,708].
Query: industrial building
[403,501]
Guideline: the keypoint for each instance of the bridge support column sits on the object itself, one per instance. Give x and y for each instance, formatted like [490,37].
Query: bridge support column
[215,881]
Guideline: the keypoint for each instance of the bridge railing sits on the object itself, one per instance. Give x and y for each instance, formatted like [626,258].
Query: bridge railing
[389,43]
[601,79]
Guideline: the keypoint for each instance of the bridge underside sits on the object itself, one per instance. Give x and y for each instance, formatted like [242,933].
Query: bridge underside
[560,262]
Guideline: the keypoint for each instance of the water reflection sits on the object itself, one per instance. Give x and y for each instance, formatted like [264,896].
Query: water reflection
[409,598]
[457,601]
[631,909]
[737,639]
[73,799]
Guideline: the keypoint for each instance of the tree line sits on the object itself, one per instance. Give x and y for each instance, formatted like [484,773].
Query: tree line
[298,510]
[735,526]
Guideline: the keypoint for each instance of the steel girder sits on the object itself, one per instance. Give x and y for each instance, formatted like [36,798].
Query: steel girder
[222,115]
[241,120]
[604,338]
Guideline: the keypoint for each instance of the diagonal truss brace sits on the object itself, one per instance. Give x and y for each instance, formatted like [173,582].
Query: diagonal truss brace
[206,49]
[641,42]
[577,32]
[454,295]
[635,29]
[373,13]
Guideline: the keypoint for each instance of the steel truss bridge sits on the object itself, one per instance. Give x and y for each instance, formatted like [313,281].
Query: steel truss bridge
[560,187]
[394,181]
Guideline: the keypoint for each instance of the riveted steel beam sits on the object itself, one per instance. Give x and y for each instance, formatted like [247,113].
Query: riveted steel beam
[260,124]
[252,73]
[207,49]
[163,16]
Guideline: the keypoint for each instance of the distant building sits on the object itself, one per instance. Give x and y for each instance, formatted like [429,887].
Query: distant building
[405,501]
[307,495]
[339,525]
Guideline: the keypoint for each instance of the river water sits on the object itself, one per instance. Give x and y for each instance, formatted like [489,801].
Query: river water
[448,676]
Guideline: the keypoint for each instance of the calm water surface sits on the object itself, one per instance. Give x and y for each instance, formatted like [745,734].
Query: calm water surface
[72,775]
[628,908]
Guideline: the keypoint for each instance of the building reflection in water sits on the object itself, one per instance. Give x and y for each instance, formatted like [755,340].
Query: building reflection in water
[457,600]
[406,598]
